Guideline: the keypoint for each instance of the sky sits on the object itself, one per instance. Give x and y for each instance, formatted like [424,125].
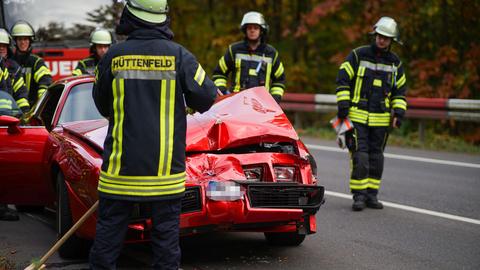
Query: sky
[40,12]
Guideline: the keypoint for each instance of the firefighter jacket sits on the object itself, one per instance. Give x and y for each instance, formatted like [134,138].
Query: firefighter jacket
[142,86]
[371,83]
[12,82]
[261,67]
[36,74]
[85,66]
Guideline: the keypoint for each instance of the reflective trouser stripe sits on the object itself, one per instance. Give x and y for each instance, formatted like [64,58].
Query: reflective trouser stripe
[356,184]
[114,161]
[374,183]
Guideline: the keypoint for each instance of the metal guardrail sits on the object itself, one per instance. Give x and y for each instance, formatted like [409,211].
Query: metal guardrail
[420,108]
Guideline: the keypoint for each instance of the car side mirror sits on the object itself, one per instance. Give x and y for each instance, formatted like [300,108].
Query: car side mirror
[12,124]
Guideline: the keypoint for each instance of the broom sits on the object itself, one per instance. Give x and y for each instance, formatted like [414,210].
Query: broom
[38,265]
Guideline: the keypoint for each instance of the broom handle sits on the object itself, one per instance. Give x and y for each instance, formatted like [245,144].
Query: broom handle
[65,236]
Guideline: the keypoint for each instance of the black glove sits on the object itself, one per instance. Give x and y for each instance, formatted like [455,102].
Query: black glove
[399,114]
[342,113]
[277,98]
[343,108]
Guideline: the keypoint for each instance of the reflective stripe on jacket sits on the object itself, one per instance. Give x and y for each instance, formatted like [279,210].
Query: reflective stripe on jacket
[372,83]
[12,82]
[36,74]
[261,67]
[85,67]
[142,87]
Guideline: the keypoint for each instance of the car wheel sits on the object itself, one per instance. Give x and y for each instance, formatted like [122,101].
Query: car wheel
[74,247]
[284,239]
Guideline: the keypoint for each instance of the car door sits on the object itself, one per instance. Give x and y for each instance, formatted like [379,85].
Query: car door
[23,169]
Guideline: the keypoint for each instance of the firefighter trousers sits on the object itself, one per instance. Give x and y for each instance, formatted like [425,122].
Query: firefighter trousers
[366,145]
[112,225]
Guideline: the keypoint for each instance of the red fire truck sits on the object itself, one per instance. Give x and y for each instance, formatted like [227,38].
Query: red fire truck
[62,27]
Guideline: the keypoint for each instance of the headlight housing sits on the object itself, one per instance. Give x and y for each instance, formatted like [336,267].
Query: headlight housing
[284,173]
[253,173]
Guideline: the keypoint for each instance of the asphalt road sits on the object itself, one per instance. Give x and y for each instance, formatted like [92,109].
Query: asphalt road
[431,221]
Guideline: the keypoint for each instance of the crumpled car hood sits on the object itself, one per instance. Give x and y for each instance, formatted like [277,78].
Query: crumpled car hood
[248,116]
[251,115]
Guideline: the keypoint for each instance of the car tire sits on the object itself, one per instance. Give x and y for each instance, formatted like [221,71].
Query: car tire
[284,239]
[74,247]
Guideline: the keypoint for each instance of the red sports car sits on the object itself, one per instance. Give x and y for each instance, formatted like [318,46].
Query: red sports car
[247,170]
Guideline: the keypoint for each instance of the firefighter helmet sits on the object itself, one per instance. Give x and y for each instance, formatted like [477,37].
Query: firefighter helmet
[253,17]
[387,26]
[101,36]
[153,11]
[22,29]
[4,37]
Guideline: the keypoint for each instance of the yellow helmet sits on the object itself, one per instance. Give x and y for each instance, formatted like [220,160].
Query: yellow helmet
[22,29]
[153,11]
[4,37]
[101,36]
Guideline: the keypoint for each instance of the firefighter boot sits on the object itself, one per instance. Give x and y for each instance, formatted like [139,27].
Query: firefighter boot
[372,202]
[358,202]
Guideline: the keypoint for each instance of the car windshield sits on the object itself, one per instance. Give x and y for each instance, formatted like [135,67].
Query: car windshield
[79,105]
[55,20]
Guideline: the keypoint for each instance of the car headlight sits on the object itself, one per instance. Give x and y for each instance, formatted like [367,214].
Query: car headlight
[284,173]
[224,191]
[253,173]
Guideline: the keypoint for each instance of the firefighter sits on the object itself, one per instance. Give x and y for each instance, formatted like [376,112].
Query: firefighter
[11,72]
[371,88]
[251,62]
[37,76]
[145,81]
[100,41]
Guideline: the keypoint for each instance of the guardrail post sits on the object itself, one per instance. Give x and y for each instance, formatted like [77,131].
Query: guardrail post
[421,131]
[298,121]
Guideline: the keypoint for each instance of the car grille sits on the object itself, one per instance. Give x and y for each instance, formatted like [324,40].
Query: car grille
[285,196]
[191,201]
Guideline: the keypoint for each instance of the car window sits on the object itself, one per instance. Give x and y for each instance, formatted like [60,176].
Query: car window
[79,105]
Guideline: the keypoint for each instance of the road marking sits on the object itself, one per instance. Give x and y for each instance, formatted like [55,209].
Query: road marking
[412,209]
[411,158]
